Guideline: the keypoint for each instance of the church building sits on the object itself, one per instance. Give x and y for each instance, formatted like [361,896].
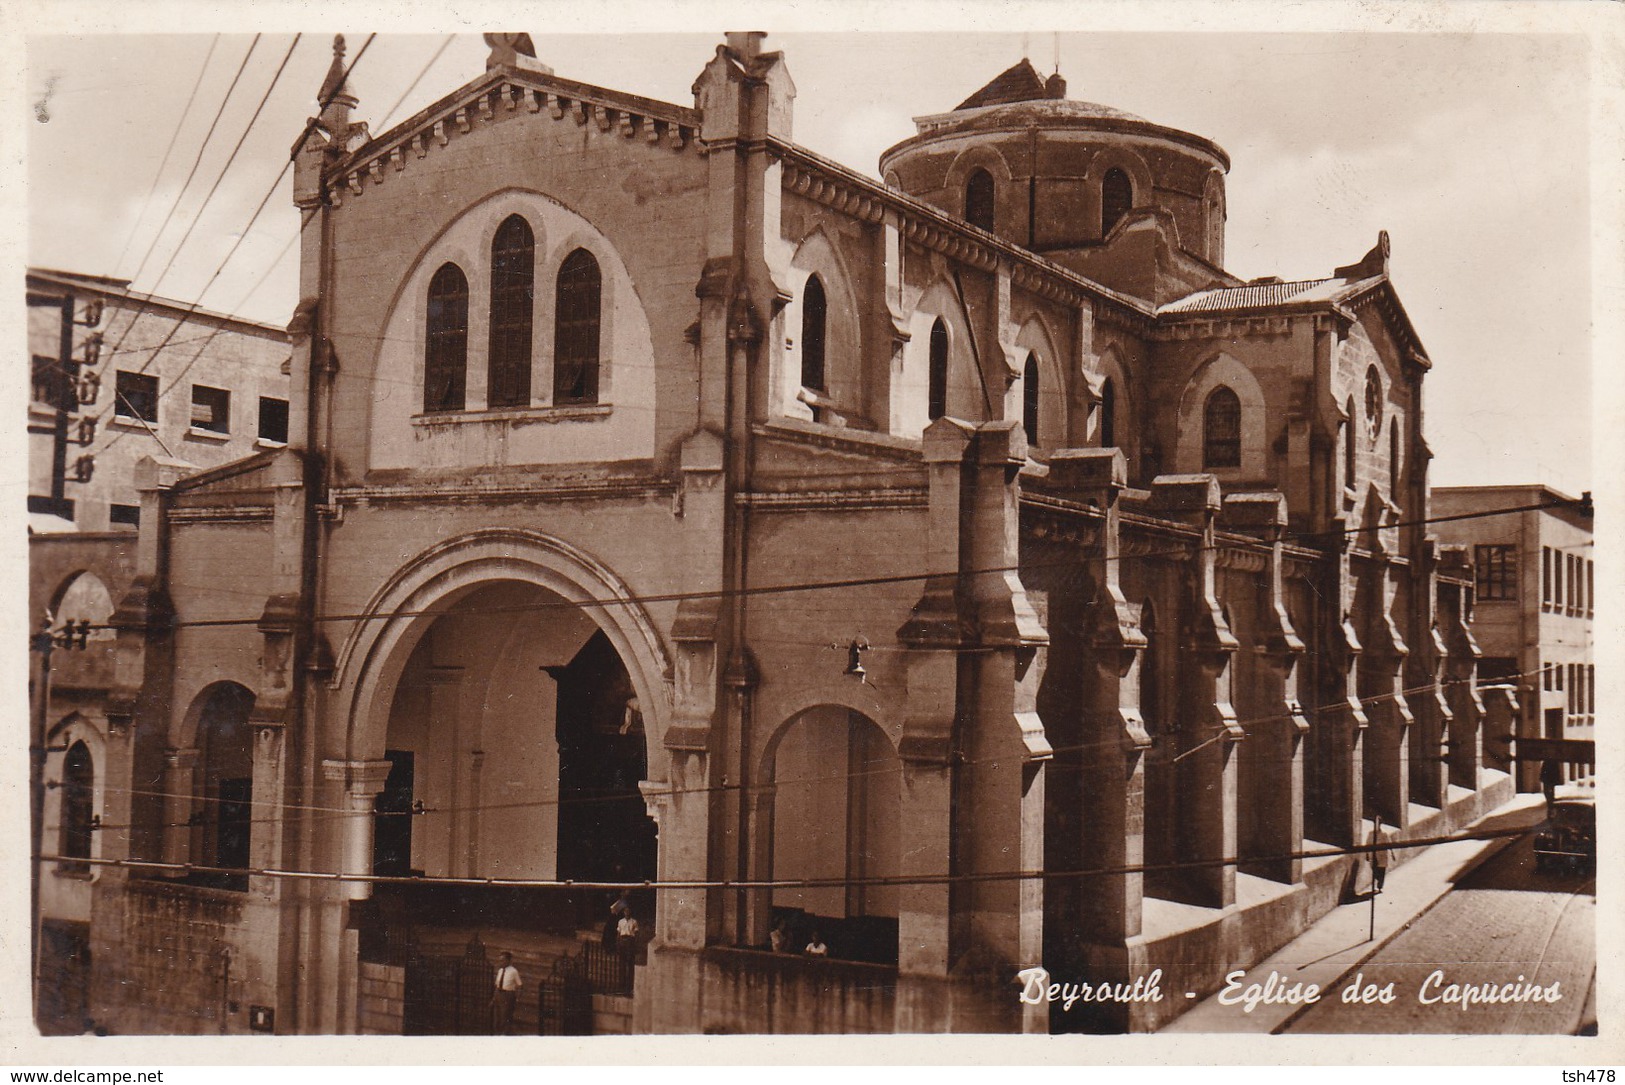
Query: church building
[960,571]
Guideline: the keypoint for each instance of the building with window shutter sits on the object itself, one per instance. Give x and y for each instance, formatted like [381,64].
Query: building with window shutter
[848,559]
[1534,581]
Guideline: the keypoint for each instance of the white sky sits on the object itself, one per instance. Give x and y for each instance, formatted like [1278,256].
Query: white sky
[1471,149]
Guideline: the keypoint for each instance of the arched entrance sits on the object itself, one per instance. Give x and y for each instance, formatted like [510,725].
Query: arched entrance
[836,806]
[516,745]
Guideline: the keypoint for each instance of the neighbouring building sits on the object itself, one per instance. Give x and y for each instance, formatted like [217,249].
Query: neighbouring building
[1533,602]
[117,376]
[120,375]
[959,571]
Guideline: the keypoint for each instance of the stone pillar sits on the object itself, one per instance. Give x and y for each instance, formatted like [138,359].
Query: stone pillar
[1271,761]
[180,803]
[1340,723]
[266,832]
[759,831]
[358,784]
[1465,750]
[972,797]
[1107,780]
[1206,772]
[1425,678]
[1382,692]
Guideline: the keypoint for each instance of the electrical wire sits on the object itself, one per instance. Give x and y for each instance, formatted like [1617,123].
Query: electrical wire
[1229,543]
[146,201]
[980,877]
[1054,768]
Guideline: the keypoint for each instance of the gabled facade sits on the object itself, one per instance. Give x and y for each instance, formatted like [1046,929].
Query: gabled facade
[610,418]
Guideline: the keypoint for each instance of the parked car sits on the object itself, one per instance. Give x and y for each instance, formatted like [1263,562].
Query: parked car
[1569,836]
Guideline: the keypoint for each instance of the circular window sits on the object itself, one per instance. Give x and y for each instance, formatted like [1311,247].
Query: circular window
[1373,401]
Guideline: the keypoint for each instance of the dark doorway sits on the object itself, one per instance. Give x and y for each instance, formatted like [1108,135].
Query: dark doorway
[392,818]
[605,833]
[234,806]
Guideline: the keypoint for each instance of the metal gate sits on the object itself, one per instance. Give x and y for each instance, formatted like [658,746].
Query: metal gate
[564,1001]
[449,996]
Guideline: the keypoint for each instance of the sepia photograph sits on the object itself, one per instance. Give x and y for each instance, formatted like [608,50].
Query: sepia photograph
[761,525]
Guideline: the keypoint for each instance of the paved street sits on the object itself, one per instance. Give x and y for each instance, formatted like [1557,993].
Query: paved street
[1503,921]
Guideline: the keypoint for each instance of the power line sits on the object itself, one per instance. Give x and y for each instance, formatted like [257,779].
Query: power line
[1080,563]
[197,161]
[982,877]
[146,201]
[1054,768]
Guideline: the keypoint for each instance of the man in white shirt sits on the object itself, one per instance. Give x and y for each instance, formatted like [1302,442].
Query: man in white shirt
[504,995]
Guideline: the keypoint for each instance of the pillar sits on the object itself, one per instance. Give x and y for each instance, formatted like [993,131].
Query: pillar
[1205,769]
[1271,761]
[1382,692]
[1465,747]
[179,804]
[1424,678]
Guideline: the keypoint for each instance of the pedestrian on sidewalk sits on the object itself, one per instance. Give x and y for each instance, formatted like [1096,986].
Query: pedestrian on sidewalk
[1379,854]
[1551,774]
[504,994]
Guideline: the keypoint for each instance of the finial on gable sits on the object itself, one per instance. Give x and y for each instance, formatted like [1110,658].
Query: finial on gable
[336,85]
[1372,264]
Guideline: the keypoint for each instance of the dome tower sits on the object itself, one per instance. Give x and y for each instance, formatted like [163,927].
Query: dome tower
[1091,187]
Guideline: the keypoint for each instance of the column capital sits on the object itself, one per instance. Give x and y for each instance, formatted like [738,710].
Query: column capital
[358,777]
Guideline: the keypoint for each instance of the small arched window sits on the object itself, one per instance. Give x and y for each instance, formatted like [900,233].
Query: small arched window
[1116,199]
[937,377]
[1029,398]
[445,364]
[78,805]
[228,782]
[575,339]
[1108,414]
[814,314]
[979,199]
[1221,429]
[513,254]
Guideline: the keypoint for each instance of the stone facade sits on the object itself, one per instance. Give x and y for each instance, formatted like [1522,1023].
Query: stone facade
[665,502]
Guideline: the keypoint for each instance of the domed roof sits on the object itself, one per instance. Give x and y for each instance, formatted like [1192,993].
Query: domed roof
[1019,97]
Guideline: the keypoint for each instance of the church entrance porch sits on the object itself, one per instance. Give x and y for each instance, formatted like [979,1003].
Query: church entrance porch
[515,747]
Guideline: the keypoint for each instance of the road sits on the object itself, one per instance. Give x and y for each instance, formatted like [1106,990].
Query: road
[1503,921]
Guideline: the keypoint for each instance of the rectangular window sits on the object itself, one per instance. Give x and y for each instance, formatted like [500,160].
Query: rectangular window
[1546,677]
[1557,580]
[1546,578]
[125,514]
[1591,587]
[136,397]
[211,409]
[1591,687]
[273,420]
[1497,569]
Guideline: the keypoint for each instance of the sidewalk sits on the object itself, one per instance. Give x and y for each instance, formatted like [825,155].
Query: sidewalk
[1339,943]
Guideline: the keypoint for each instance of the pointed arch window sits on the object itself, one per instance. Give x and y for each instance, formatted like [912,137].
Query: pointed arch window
[1116,199]
[513,254]
[1108,414]
[937,377]
[1221,429]
[979,199]
[445,365]
[78,806]
[1395,475]
[814,316]
[576,331]
[1029,399]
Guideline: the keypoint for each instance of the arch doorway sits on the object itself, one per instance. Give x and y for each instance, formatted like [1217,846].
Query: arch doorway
[836,807]
[516,747]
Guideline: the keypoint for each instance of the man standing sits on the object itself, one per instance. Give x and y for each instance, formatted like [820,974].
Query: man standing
[1379,854]
[504,995]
